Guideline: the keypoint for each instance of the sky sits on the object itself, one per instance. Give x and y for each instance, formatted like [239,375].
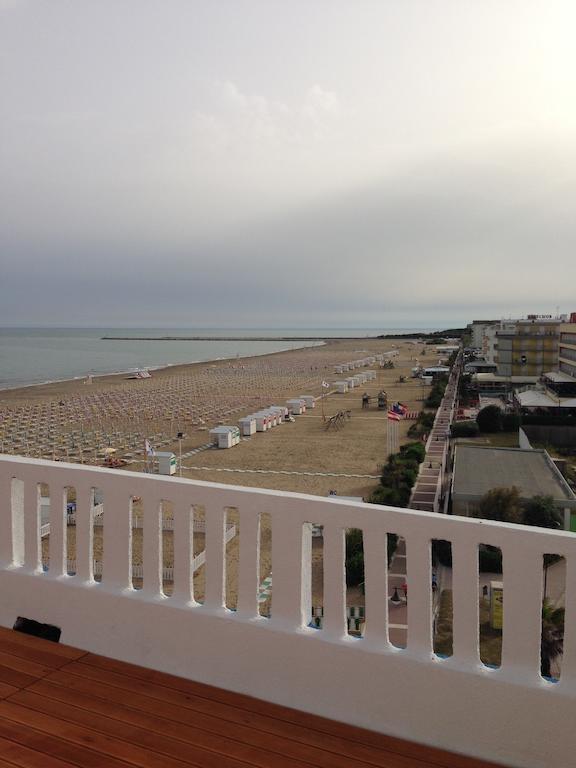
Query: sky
[264,163]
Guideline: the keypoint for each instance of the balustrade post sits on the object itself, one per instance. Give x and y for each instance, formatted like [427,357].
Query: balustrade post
[32,540]
[465,601]
[152,549]
[522,613]
[292,573]
[568,676]
[117,565]
[419,580]
[12,521]
[84,532]
[215,568]
[249,567]
[183,552]
[376,587]
[58,544]
[334,623]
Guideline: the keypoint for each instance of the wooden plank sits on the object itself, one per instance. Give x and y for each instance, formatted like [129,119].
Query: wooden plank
[54,649]
[15,678]
[29,748]
[311,723]
[115,749]
[38,655]
[24,665]
[6,764]
[243,743]
[7,690]
[160,698]
[157,740]
[17,755]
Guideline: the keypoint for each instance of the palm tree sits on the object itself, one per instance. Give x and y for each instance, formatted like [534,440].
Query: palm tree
[552,642]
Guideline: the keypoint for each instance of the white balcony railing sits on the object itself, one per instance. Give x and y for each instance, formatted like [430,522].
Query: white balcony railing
[510,714]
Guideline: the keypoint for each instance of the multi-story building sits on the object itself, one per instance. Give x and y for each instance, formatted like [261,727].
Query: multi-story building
[561,382]
[528,347]
[567,352]
[477,328]
[490,338]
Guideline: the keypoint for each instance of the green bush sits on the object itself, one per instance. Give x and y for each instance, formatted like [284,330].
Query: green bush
[543,512]
[434,399]
[490,559]
[424,424]
[490,419]
[437,392]
[415,451]
[464,429]
[386,496]
[354,557]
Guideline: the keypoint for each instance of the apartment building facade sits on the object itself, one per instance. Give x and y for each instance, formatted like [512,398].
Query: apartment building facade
[567,349]
[528,347]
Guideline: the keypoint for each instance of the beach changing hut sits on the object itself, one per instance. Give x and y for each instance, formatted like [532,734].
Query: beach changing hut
[247,426]
[262,421]
[225,437]
[296,406]
[272,416]
[309,400]
[166,463]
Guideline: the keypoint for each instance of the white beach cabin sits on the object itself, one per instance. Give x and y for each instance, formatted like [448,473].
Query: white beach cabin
[296,407]
[166,463]
[247,426]
[309,400]
[262,421]
[225,436]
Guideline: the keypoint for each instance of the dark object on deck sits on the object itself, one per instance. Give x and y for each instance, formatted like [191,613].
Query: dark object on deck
[36,629]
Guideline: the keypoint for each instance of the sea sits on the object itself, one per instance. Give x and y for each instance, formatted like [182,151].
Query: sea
[40,355]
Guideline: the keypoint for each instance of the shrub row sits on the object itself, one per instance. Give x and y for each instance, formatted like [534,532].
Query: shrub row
[422,425]
[436,394]
[493,419]
[399,475]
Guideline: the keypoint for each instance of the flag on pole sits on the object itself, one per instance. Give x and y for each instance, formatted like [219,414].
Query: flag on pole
[393,416]
[325,385]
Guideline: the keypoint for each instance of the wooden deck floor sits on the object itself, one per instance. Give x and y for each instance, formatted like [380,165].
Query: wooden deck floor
[62,707]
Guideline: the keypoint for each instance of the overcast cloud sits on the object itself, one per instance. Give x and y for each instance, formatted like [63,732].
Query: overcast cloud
[328,163]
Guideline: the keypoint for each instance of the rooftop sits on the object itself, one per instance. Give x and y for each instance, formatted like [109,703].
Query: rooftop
[559,376]
[532,398]
[478,469]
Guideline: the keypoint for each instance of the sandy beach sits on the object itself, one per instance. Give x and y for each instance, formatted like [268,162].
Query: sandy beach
[77,422]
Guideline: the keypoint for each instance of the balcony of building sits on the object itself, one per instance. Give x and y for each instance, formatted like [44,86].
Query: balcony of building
[158,676]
